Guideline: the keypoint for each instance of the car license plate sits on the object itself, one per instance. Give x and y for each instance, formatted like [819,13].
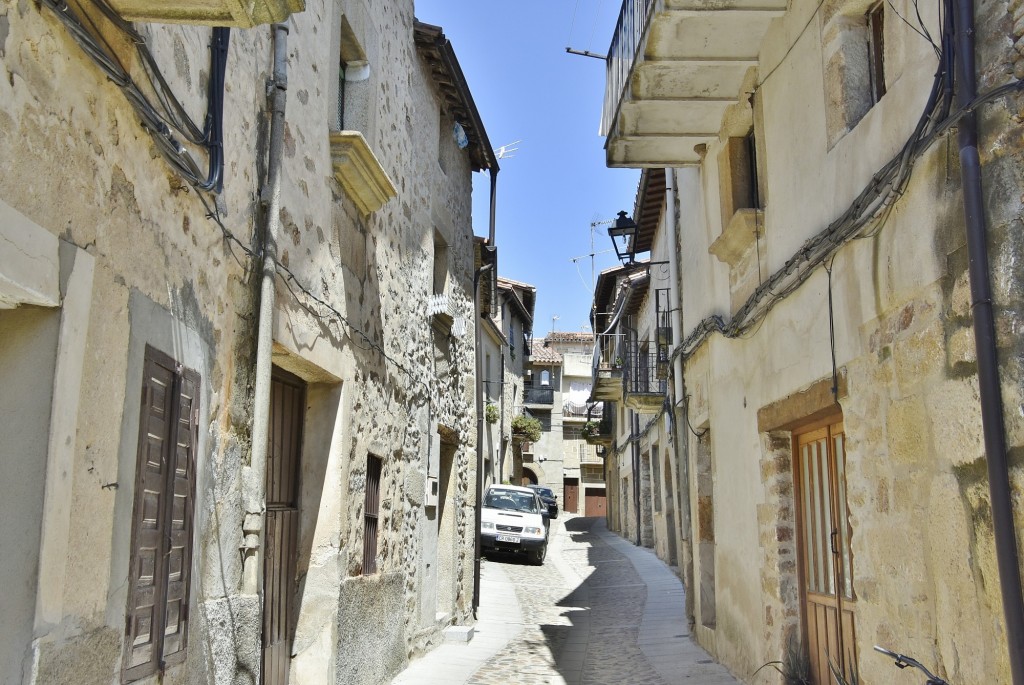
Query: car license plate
[508,538]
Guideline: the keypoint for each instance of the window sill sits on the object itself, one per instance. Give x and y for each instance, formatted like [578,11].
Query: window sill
[738,236]
[209,12]
[360,172]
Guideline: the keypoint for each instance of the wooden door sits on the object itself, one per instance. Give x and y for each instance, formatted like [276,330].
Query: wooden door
[571,494]
[287,413]
[826,559]
[594,503]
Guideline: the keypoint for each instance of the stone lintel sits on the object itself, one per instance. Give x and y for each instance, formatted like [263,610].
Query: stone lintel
[813,403]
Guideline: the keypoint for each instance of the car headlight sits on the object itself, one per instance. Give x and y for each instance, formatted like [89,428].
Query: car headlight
[532,531]
[486,525]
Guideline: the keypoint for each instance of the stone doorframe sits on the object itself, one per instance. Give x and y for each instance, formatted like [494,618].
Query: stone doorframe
[776,517]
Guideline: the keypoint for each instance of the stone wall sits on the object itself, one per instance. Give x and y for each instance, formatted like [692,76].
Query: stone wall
[81,167]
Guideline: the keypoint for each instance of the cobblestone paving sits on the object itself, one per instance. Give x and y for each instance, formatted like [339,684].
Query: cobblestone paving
[581,614]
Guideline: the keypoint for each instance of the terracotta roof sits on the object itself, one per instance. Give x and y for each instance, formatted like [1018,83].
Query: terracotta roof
[650,202]
[544,355]
[502,281]
[436,50]
[568,336]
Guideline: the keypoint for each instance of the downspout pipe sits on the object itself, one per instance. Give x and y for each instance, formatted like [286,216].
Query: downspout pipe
[255,500]
[993,429]
[634,430]
[679,404]
[494,202]
[478,508]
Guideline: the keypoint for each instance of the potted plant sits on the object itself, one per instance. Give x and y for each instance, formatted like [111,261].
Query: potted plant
[491,412]
[590,429]
[525,428]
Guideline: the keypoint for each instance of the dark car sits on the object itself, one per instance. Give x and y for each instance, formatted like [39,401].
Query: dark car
[547,495]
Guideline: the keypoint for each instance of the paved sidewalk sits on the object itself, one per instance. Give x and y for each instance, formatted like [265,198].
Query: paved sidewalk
[600,611]
[500,620]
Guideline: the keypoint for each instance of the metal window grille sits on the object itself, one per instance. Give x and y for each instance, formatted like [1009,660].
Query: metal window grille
[374,466]
[341,96]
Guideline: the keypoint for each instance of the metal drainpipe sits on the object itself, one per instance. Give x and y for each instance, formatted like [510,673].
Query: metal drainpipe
[478,512]
[679,406]
[635,435]
[985,341]
[255,501]
[501,424]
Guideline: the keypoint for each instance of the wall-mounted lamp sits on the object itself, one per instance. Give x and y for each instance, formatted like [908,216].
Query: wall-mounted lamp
[624,228]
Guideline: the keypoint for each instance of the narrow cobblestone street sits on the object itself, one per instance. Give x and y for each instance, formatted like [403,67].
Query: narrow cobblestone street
[599,611]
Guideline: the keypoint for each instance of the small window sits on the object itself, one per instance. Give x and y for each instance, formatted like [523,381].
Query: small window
[876,51]
[374,466]
[545,378]
[159,576]
[738,176]
[353,72]
[440,264]
[341,95]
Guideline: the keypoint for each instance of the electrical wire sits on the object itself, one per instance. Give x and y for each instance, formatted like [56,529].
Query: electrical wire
[870,209]
[168,117]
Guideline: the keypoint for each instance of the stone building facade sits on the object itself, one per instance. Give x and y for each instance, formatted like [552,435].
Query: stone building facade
[838,490]
[506,352]
[353,548]
[557,388]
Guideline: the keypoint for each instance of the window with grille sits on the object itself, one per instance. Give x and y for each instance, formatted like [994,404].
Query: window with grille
[876,51]
[374,466]
[159,577]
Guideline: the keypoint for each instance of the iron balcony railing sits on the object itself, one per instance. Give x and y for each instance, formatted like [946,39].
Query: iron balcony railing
[645,374]
[610,351]
[628,39]
[604,426]
[582,411]
[538,395]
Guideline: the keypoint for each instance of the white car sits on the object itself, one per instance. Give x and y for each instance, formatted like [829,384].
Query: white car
[514,519]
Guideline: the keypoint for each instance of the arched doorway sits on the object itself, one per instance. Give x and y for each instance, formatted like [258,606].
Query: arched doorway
[529,477]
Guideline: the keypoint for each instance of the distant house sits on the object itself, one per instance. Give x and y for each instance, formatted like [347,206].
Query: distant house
[557,392]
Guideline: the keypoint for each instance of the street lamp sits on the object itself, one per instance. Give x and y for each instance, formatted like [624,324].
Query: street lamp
[624,228]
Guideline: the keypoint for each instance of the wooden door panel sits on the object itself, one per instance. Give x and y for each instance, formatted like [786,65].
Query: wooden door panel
[572,494]
[826,560]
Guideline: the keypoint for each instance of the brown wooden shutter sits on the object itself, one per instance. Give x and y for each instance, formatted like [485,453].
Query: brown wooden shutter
[181,483]
[161,558]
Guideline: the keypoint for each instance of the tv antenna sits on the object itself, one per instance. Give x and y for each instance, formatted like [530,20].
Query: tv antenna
[507,150]
[585,53]
[592,253]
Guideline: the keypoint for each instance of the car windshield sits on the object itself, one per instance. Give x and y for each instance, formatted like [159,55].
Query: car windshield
[546,492]
[511,500]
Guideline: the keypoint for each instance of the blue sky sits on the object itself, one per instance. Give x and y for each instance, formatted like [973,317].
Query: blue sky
[528,88]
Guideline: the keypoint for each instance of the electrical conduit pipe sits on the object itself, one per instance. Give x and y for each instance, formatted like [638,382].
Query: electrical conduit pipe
[255,476]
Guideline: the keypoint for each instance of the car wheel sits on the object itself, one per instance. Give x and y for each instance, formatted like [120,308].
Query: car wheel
[537,555]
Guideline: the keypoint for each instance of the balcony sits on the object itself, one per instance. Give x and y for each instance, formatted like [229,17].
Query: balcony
[607,378]
[598,431]
[646,382]
[673,68]
[540,396]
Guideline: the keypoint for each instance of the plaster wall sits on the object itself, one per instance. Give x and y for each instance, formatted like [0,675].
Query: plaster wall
[27,363]
[917,492]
